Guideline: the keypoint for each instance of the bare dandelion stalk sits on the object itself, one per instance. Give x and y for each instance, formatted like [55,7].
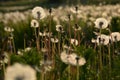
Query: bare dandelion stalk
[77,77]
[50,11]
[100,56]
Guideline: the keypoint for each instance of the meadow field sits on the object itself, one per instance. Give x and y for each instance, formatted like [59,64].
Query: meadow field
[63,42]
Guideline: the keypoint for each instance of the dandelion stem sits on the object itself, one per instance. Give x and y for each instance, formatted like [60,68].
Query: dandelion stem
[77,72]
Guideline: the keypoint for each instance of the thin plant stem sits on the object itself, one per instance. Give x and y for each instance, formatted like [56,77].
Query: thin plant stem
[77,72]
[109,58]
[69,76]
[14,45]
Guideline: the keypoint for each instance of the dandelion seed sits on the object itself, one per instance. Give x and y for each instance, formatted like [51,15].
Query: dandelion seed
[20,72]
[34,23]
[101,23]
[38,13]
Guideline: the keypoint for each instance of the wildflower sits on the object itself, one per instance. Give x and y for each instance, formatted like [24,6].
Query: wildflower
[103,39]
[74,41]
[34,23]
[38,13]
[77,27]
[54,40]
[101,23]
[20,72]
[8,29]
[59,28]
[115,36]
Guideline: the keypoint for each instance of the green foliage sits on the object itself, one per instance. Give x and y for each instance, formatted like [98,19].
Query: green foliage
[31,57]
[115,24]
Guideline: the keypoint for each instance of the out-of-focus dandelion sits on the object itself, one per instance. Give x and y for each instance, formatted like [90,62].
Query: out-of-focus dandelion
[54,40]
[59,28]
[64,57]
[38,13]
[34,23]
[103,39]
[76,60]
[101,23]
[74,42]
[8,29]
[115,36]
[20,72]
[42,34]
[77,27]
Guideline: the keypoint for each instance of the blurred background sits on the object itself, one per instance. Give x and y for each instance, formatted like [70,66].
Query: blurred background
[11,5]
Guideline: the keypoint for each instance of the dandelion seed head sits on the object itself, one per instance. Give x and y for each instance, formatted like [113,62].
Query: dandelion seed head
[34,23]
[38,13]
[101,23]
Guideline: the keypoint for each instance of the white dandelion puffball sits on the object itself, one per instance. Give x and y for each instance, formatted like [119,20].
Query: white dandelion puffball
[64,57]
[74,41]
[101,23]
[81,61]
[59,28]
[76,60]
[34,23]
[103,39]
[115,36]
[72,59]
[20,72]
[38,13]
[8,29]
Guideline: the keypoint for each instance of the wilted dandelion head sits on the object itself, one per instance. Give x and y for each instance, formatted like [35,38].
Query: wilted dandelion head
[8,29]
[20,72]
[115,36]
[34,23]
[38,13]
[101,23]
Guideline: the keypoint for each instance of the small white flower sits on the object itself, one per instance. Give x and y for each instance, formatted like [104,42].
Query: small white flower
[101,23]
[8,29]
[20,72]
[115,36]
[34,23]
[38,13]
[74,41]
